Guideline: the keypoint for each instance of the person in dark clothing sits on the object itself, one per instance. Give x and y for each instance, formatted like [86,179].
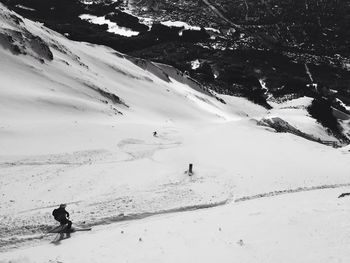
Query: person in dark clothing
[61,215]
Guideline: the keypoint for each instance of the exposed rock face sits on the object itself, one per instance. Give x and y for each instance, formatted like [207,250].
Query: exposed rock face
[19,40]
[7,42]
[23,42]
[283,126]
[40,47]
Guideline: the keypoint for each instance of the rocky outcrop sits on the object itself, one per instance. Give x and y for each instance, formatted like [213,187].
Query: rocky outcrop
[17,39]
[282,126]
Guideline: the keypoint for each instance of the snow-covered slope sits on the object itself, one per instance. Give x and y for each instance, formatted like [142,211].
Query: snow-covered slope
[303,227]
[76,126]
[81,82]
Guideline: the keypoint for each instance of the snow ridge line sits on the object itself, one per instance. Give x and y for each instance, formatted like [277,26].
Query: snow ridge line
[290,191]
[137,216]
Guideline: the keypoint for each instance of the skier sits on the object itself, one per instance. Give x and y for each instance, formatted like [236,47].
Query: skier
[155,134]
[61,215]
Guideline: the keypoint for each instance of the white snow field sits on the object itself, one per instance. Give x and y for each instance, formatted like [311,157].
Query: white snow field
[301,227]
[76,127]
[112,27]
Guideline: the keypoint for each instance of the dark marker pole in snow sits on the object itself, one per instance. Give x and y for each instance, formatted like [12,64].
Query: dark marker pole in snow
[190,169]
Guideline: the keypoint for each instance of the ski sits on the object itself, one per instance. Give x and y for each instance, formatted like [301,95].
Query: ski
[57,229]
[75,229]
[63,229]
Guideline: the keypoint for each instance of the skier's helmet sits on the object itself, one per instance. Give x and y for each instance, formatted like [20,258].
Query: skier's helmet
[63,205]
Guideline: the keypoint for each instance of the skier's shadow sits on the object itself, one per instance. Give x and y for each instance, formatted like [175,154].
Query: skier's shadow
[60,237]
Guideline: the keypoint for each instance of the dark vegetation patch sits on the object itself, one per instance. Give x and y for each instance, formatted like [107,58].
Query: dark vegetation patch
[321,110]
[126,20]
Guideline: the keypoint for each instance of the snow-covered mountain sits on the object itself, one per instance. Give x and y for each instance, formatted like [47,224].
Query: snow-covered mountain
[76,127]
[265,51]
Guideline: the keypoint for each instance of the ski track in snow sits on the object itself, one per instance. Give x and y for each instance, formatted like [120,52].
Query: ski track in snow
[17,232]
[139,149]
[30,226]
[24,227]
[75,158]
[290,191]
[22,238]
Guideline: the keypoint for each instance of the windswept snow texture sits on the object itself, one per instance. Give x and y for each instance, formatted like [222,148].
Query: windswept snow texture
[77,128]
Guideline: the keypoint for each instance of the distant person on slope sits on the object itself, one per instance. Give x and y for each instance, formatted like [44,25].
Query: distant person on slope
[61,215]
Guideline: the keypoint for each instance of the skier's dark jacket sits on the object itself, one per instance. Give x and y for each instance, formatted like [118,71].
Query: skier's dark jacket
[60,213]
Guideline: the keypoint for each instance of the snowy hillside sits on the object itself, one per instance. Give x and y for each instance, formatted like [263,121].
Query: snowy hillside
[306,228]
[76,127]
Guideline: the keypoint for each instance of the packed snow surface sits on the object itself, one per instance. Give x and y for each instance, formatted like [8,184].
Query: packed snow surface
[77,128]
[300,227]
